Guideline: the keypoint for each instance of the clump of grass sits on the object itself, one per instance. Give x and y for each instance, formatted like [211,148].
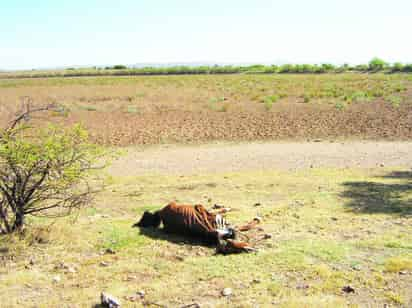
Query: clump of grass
[132,109]
[360,96]
[340,105]
[394,100]
[88,107]
[270,100]
[216,104]
[397,264]
[395,297]
[400,87]
[61,111]
[275,289]
[306,98]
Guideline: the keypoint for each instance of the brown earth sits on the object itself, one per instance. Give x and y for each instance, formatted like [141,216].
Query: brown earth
[362,121]
[193,109]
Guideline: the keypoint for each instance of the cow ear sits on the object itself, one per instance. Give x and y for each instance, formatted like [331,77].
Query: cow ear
[144,220]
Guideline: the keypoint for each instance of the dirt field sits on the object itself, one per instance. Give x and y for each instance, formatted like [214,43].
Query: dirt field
[192,109]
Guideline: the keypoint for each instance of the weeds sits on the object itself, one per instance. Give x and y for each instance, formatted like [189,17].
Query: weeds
[270,100]
[397,264]
[394,100]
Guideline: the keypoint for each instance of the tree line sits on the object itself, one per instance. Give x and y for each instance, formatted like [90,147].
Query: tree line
[374,66]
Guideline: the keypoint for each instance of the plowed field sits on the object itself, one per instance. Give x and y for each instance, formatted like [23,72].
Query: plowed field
[191,109]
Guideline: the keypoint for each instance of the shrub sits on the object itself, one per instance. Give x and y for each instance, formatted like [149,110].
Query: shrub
[43,172]
[361,68]
[270,100]
[119,67]
[407,68]
[397,67]
[340,105]
[377,64]
[394,100]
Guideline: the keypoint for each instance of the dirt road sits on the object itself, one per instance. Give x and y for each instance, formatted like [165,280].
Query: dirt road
[227,157]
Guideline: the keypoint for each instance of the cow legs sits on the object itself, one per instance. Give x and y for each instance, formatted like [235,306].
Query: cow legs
[250,225]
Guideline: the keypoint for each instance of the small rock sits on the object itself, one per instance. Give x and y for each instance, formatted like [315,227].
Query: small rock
[218,206]
[227,292]
[56,279]
[267,236]
[180,258]
[334,218]
[348,289]
[131,277]
[257,204]
[256,280]
[110,251]
[141,293]
[356,267]
[108,300]
[103,263]
[131,298]
[71,270]
[382,165]
[302,286]
[403,272]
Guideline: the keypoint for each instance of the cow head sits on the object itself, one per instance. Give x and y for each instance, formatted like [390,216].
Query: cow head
[149,220]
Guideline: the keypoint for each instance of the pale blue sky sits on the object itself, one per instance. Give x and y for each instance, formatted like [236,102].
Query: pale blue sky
[50,33]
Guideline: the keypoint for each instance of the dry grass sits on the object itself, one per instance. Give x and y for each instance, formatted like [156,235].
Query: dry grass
[320,244]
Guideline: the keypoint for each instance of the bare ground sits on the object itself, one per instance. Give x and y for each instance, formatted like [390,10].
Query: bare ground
[230,157]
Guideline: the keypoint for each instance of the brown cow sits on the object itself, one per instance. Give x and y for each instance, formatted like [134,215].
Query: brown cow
[197,221]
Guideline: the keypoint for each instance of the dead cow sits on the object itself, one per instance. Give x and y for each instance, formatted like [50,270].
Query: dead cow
[195,220]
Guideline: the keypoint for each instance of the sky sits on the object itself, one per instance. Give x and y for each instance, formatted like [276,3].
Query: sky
[49,33]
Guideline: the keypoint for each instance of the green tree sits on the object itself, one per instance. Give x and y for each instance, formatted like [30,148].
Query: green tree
[377,64]
[43,172]
[397,67]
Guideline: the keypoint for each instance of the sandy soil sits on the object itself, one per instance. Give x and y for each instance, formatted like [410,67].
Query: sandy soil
[227,157]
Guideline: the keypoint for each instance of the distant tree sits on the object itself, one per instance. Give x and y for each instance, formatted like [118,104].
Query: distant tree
[327,67]
[361,68]
[119,67]
[397,67]
[407,68]
[377,64]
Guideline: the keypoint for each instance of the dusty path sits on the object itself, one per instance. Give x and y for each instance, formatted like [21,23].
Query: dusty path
[226,157]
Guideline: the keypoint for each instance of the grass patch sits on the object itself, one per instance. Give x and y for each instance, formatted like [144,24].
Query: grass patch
[88,107]
[121,236]
[397,264]
[269,100]
[133,109]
